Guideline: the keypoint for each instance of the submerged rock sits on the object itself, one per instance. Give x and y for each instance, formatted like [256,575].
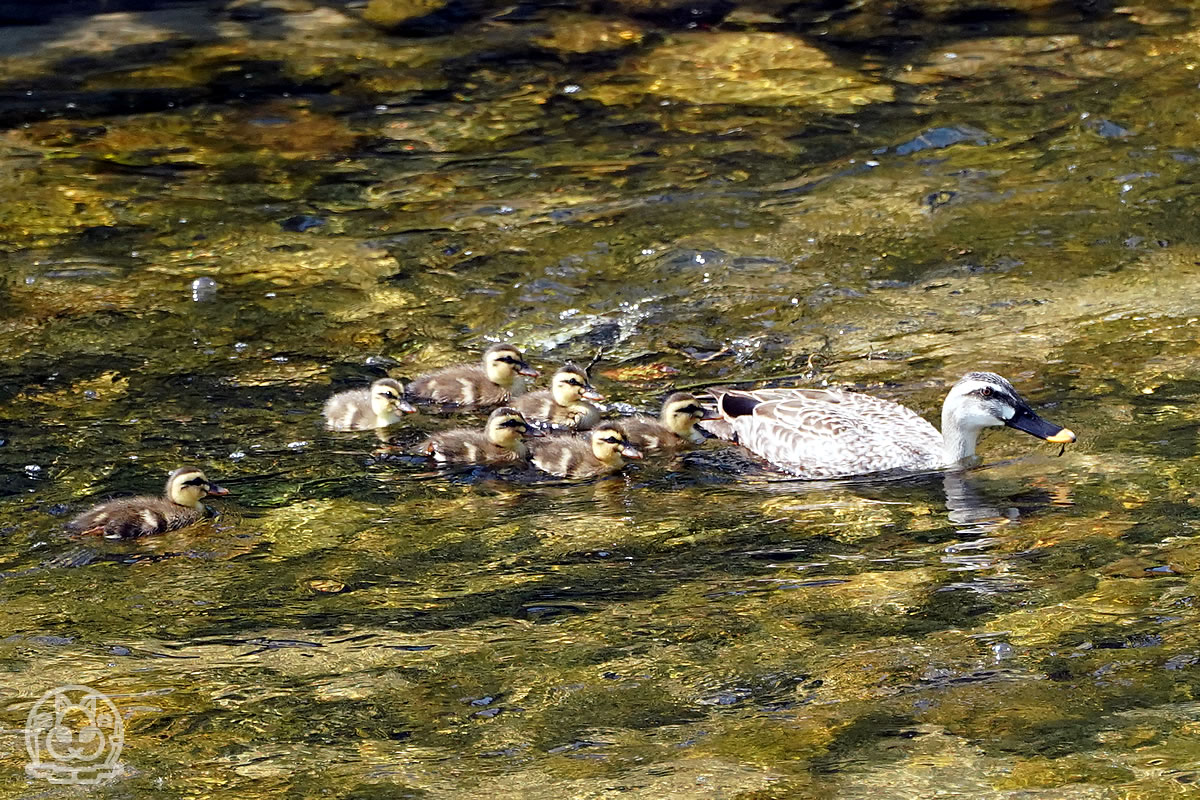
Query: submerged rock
[771,69]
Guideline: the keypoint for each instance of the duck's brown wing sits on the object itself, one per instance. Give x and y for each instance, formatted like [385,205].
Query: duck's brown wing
[134,516]
[564,456]
[536,406]
[467,447]
[464,386]
[648,434]
[349,411]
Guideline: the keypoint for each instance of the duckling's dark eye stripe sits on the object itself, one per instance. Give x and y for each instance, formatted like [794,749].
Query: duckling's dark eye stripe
[512,423]
[691,410]
[196,482]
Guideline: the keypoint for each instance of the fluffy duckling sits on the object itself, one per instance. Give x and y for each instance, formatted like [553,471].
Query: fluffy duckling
[565,403]
[362,409]
[675,427]
[604,451]
[129,517]
[495,382]
[501,442]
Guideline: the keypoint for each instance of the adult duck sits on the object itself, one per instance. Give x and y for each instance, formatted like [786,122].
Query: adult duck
[827,433]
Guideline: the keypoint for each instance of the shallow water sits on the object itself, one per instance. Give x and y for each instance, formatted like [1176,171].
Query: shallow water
[215,215]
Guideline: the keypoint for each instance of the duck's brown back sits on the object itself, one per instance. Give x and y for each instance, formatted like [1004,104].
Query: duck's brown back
[540,406]
[468,447]
[567,457]
[135,516]
[464,386]
[649,435]
[350,411]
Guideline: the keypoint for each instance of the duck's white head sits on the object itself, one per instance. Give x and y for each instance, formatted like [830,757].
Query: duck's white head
[570,385]
[680,413]
[503,363]
[507,428]
[610,445]
[387,400]
[187,486]
[983,400]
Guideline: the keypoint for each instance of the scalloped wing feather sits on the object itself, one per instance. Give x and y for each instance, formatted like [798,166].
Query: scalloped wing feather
[814,433]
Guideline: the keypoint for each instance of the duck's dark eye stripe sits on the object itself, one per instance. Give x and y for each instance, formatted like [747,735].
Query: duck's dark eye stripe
[196,482]
[512,423]
[692,410]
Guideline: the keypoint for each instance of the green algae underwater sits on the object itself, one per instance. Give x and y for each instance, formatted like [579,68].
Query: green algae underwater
[215,214]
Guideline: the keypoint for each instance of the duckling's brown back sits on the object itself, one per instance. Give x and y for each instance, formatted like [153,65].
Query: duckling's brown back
[566,457]
[648,434]
[134,516]
[350,411]
[464,386]
[467,447]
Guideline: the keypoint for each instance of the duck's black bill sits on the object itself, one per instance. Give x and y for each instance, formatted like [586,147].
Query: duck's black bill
[1031,423]
[212,488]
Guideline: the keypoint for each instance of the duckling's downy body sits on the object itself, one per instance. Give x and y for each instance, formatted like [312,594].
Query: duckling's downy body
[495,382]
[604,450]
[380,405]
[674,429]
[565,403]
[128,517]
[501,443]
[817,433]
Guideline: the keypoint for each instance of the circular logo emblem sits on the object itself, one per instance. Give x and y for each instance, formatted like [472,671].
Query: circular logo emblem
[73,734]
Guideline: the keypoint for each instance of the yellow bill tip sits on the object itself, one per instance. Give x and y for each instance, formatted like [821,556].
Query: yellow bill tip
[1065,436]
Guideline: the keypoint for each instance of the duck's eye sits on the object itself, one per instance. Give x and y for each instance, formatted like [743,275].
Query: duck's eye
[985,391]
[389,395]
[611,440]
[196,482]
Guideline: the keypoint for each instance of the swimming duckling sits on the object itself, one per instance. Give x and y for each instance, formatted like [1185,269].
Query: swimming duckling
[128,517]
[603,451]
[675,427]
[501,442]
[493,383]
[826,433]
[362,409]
[565,403]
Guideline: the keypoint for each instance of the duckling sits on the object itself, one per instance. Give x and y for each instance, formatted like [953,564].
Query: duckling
[675,427]
[495,382]
[363,409]
[501,442]
[827,433]
[565,403]
[128,517]
[604,451]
